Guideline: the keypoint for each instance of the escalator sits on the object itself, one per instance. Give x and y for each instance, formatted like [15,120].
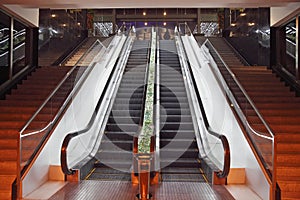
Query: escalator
[178,146]
[114,157]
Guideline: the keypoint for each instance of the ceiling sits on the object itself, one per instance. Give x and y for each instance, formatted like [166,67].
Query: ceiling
[147,3]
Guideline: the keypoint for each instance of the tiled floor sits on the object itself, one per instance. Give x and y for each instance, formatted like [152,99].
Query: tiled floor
[123,190]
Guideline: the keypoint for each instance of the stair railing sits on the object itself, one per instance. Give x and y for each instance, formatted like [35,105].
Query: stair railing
[268,168]
[193,90]
[120,63]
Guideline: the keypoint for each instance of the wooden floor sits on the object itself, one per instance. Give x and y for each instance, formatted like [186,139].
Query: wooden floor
[123,190]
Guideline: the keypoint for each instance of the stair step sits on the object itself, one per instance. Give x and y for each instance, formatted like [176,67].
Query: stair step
[8,167]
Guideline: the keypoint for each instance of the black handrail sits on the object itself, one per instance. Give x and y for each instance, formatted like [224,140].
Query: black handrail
[226,166]
[64,58]
[70,136]
[66,54]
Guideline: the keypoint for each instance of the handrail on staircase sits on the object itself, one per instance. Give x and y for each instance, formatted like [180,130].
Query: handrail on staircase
[63,158]
[226,162]
[236,106]
[271,177]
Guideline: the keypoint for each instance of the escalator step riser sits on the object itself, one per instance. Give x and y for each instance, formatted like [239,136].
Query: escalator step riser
[179,164]
[176,112]
[118,136]
[177,154]
[111,145]
[127,107]
[177,119]
[177,135]
[175,100]
[126,113]
[126,101]
[124,120]
[113,165]
[178,144]
[174,105]
[115,155]
[129,95]
[122,127]
[170,94]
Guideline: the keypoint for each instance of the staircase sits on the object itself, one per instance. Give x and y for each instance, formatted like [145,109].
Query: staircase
[178,147]
[279,107]
[114,157]
[83,49]
[16,110]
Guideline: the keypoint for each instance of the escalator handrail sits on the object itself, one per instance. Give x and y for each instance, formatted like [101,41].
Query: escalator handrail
[58,116]
[226,164]
[54,91]
[247,97]
[63,158]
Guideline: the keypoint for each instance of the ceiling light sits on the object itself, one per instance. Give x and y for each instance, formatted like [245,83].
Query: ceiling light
[53,15]
[251,24]
[243,14]
[165,23]
[165,13]
[144,13]
[146,24]
[232,24]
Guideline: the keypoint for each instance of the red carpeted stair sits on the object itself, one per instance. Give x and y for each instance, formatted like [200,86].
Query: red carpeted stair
[280,108]
[16,110]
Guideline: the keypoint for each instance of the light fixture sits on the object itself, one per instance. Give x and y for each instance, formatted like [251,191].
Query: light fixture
[53,15]
[146,24]
[232,24]
[144,13]
[242,14]
[165,13]
[165,23]
[64,25]
[78,23]
[251,24]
